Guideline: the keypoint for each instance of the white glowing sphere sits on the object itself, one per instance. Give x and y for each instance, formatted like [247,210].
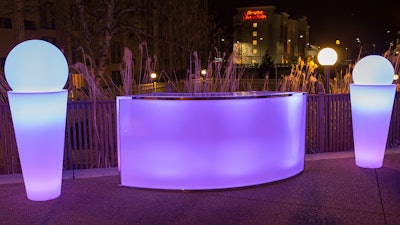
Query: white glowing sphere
[327,57]
[36,66]
[373,70]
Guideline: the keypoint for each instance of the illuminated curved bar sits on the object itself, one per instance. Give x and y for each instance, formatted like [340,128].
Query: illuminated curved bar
[210,141]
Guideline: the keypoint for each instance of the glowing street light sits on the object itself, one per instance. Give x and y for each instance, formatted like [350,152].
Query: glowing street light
[153,76]
[37,72]
[203,72]
[372,97]
[327,57]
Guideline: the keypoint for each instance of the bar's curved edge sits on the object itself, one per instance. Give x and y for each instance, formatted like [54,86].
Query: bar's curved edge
[230,188]
[213,95]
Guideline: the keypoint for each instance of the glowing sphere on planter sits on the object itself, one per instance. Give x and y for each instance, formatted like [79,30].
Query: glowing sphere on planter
[372,97]
[327,56]
[373,70]
[36,66]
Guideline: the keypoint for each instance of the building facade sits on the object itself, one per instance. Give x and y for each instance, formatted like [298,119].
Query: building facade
[258,30]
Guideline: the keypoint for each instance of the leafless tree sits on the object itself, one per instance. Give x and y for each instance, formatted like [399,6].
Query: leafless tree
[173,29]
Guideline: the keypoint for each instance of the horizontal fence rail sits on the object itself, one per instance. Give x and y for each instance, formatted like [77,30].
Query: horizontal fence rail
[91,140]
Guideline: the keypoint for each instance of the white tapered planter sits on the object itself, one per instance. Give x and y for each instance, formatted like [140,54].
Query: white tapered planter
[39,124]
[371,107]
[37,71]
[372,97]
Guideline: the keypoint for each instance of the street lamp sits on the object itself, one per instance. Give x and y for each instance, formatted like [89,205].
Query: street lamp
[239,45]
[327,57]
[203,72]
[372,97]
[153,77]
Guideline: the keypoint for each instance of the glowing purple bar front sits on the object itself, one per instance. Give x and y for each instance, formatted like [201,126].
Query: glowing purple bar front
[210,141]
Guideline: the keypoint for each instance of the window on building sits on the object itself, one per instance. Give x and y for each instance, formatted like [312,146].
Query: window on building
[5,23]
[77,80]
[255,25]
[255,51]
[255,33]
[254,42]
[49,39]
[253,61]
[75,19]
[76,55]
[47,16]
[116,78]
[29,25]
[2,61]
[116,53]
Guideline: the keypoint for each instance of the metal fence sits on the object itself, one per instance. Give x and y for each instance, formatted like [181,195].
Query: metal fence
[91,141]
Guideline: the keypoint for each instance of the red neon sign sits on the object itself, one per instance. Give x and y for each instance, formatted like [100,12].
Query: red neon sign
[254,15]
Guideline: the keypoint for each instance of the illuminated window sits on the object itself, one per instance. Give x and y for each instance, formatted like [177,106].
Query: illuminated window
[78,80]
[253,61]
[254,42]
[254,51]
[254,33]
[254,25]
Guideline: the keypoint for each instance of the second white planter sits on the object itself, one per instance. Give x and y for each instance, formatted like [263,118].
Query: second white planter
[371,107]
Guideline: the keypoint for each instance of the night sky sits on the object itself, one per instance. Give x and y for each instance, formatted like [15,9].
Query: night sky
[345,20]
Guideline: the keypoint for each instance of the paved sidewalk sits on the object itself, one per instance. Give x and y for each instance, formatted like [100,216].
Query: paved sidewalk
[331,190]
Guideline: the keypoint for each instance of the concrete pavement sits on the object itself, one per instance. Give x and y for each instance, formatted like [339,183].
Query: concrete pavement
[331,190]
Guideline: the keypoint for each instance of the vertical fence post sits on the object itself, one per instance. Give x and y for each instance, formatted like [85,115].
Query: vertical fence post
[321,124]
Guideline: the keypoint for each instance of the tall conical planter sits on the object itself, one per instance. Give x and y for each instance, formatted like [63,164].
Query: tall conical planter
[37,71]
[39,124]
[371,108]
